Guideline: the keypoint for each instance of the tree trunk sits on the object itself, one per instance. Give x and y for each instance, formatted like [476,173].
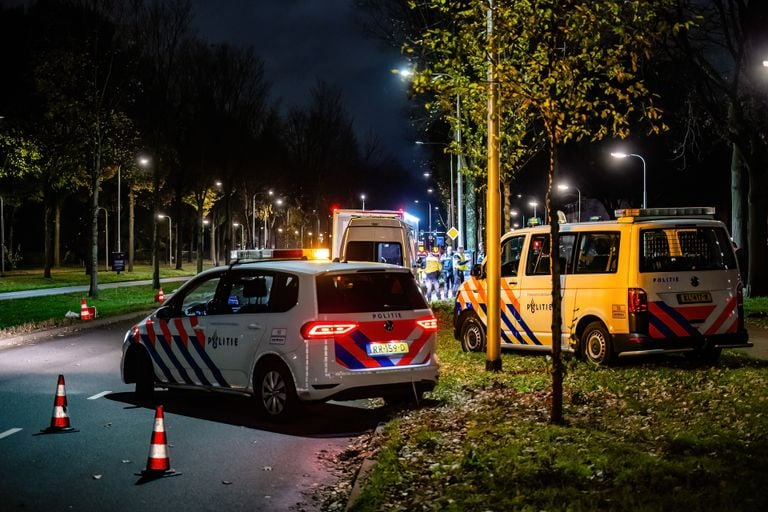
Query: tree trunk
[470,209]
[57,237]
[94,244]
[556,413]
[155,227]
[48,237]
[200,232]
[738,196]
[507,190]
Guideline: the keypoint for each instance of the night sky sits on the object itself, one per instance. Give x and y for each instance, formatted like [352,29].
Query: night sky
[303,41]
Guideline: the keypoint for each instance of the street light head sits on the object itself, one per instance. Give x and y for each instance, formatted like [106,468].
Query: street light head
[160,216]
[619,154]
[533,203]
[279,202]
[765,63]
[236,224]
[218,183]
[429,190]
[563,186]
[143,161]
[403,72]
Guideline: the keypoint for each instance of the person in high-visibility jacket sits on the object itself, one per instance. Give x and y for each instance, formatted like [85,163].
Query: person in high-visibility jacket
[432,269]
[460,265]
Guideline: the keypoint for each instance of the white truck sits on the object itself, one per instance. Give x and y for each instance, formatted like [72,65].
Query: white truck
[386,236]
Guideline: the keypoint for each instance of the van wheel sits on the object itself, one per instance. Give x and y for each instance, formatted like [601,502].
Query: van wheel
[596,344]
[472,335]
[274,392]
[145,376]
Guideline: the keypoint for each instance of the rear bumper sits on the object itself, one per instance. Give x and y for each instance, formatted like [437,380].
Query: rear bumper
[350,385]
[639,344]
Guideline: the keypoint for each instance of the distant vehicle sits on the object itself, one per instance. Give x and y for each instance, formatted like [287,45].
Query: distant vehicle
[288,332]
[382,236]
[652,281]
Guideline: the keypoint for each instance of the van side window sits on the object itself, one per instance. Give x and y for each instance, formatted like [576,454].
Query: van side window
[538,263]
[538,256]
[511,250]
[598,253]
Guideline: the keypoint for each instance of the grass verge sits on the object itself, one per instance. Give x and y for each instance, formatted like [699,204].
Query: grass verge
[659,434]
[17,280]
[18,316]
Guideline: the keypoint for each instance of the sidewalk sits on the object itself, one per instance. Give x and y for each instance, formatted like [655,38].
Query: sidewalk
[759,337]
[82,288]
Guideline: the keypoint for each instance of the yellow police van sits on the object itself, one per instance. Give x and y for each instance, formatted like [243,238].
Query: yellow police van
[652,281]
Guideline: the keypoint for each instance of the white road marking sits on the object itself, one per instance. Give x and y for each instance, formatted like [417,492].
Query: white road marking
[9,432]
[99,395]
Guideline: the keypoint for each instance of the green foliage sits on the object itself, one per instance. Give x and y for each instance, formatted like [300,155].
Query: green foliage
[19,156]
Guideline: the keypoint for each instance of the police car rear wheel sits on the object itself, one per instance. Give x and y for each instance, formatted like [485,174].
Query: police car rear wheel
[275,393]
[596,344]
[472,335]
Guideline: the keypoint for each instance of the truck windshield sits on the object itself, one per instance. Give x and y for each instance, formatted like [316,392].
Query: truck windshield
[686,249]
[381,252]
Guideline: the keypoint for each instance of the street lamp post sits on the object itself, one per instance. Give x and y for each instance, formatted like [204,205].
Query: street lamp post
[362,198]
[2,237]
[534,204]
[170,237]
[450,165]
[619,154]
[118,207]
[106,237]
[563,186]
[242,233]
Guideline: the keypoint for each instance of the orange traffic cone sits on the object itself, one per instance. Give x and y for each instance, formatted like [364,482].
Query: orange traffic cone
[159,297]
[59,418]
[85,311]
[158,463]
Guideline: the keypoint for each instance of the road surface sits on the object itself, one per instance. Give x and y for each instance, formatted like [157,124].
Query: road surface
[228,458]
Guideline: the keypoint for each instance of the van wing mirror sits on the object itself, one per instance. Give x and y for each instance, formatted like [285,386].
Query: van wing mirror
[477,271]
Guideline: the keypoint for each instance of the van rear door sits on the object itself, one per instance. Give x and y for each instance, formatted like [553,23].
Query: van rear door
[691,277]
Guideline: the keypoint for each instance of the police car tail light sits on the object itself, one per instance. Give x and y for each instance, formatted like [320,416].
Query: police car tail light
[318,330]
[637,300]
[428,324]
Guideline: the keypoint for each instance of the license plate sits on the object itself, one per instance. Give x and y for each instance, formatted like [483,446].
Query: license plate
[387,349]
[694,297]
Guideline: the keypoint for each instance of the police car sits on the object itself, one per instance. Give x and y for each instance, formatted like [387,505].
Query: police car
[652,281]
[289,331]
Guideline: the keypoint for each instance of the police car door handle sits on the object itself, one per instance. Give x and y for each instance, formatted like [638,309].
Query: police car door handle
[255,326]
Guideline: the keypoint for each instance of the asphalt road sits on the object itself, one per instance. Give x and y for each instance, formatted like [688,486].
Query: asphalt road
[228,458]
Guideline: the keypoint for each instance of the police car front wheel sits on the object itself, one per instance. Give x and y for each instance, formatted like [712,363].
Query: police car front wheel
[275,392]
[596,344]
[472,335]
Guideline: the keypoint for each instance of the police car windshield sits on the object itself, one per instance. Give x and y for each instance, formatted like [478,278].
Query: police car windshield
[685,249]
[369,292]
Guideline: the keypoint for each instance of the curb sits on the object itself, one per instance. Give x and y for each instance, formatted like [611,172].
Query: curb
[357,487]
[48,334]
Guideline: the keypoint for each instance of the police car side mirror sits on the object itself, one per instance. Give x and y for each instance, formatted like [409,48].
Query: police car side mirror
[164,313]
[477,271]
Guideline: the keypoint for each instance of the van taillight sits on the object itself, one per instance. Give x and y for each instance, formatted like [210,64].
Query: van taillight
[428,324]
[637,300]
[317,330]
